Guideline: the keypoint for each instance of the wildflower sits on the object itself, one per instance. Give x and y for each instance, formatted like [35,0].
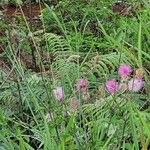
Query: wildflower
[135,84]
[101,91]
[85,96]
[124,70]
[82,85]
[73,104]
[139,73]
[59,93]
[123,87]
[112,86]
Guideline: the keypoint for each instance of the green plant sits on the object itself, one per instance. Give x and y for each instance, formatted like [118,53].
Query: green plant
[79,39]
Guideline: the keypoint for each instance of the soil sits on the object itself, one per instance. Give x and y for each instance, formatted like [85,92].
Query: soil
[125,9]
[29,11]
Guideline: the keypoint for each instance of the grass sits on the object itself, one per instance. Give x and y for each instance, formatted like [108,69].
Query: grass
[77,39]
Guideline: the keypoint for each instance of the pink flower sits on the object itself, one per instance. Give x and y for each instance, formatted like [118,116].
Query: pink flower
[124,70]
[59,93]
[82,85]
[135,85]
[112,86]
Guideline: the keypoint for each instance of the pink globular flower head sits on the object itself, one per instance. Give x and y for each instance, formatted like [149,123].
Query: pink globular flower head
[112,86]
[135,85]
[82,85]
[59,93]
[124,70]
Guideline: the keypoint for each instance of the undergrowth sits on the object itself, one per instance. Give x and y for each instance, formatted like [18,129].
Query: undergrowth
[54,80]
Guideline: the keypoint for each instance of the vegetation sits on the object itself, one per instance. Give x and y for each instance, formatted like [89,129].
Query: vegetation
[75,75]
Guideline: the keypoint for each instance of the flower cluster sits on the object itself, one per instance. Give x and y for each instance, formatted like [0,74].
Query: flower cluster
[134,84]
[81,86]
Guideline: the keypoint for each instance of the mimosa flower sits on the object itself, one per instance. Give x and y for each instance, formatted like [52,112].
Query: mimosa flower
[112,86]
[82,85]
[135,85]
[59,93]
[124,71]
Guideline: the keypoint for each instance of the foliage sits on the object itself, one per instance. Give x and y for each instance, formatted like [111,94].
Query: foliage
[78,39]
